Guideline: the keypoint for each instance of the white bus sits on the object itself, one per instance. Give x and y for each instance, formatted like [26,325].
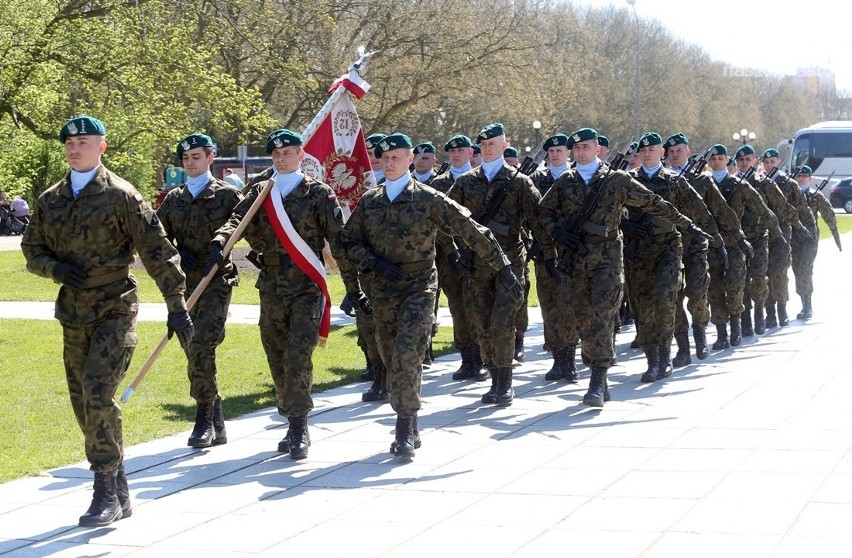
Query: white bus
[826,147]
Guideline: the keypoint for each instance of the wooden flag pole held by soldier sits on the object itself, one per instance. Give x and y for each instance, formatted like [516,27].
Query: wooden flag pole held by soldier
[356,66]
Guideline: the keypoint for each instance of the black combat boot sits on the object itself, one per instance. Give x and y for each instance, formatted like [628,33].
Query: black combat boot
[300,439]
[783,318]
[480,372]
[807,312]
[505,393]
[519,348]
[771,320]
[682,357]
[427,358]
[203,432]
[745,321]
[417,441]
[404,440]
[220,435]
[490,396]
[665,356]
[465,371]
[105,507]
[736,331]
[379,390]
[570,365]
[635,343]
[367,375]
[759,320]
[122,491]
[557,372]
[653,358]
[595,397]
[700,336]
[721,337]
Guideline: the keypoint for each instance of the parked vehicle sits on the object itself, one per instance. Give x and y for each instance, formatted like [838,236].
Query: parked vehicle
[826,147]
[840,195]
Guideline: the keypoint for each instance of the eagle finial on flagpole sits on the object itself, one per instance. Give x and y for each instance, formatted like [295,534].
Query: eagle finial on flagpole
[361,59]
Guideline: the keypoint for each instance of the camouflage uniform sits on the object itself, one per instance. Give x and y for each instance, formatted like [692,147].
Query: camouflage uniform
[654,262]
[493,311]
[291,304]
[596,269]
[190,225]
[403,232]
[804,250]
[99,231]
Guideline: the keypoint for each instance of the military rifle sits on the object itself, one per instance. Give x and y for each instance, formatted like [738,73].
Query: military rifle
[750,172]
[445,166]
[699,165]
[825,181]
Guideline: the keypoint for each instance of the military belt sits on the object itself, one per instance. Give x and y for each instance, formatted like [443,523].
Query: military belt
[498,228]
[662,224]
[107,278]
[596,238]
[274,260]
[414,267]
[595,229]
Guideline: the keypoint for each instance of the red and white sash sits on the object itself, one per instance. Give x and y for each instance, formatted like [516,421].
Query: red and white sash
[301,254]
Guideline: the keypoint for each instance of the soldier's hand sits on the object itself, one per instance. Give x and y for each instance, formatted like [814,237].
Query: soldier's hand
[346,305]
[216,258]
[803,230]
[836,236]
[569,241]
[509,282]
[454,259]
[534,250]
[746,247]
[698,234]
[70,274]
[360,299]
[722,252]
[188,259]
[780,243]
[254,258]
[388,270]
[180,323]
[552,272]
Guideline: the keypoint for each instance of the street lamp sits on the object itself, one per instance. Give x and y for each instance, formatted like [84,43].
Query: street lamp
[744,136]
[537,128]
[638,128]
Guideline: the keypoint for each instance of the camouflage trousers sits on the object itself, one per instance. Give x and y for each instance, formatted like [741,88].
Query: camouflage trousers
[494,313]
[208,318]
[522,318]
[454,288]
[654,277]
[289,332]
[696,274]
[776,271]
[726,285]
[803,254]
[364,323]
[757,283]
[557,312]
[96,357]
[403,327]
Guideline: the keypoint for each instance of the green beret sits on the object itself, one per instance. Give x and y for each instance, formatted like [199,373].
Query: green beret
[491,131]
[424,148]
[582,134]
[718,149]
[396,140]
[510,152]
[806,170]
[457,140]
[282,138]
[373,140]
[743,151]
[192,141]
[603,141]
[476,149]
[650,138]
[82,126]
[731,162]
[771,152]
[676,139]
[632,149]
[556,141]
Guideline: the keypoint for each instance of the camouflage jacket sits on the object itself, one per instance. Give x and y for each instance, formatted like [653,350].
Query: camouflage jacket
[821,206]
[791,191]
[317,217]
[542,180]
[99,230]
[403,232]
[677,191]
[727,221]
[191,224]
[776,201]
[518,209]
[751,210]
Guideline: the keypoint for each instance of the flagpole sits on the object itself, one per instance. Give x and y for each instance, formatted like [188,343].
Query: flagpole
[238,232]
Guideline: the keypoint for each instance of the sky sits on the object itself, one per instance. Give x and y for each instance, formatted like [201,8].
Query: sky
[777,36]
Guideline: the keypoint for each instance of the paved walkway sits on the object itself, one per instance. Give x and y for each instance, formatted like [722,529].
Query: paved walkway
[746,455]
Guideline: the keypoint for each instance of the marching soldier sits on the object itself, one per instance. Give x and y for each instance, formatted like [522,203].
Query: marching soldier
[805,249]
[191,214]
[299,215]
[424,163]
[511,157]
[391,234]
[582,212]
[603,141]
[83,234]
